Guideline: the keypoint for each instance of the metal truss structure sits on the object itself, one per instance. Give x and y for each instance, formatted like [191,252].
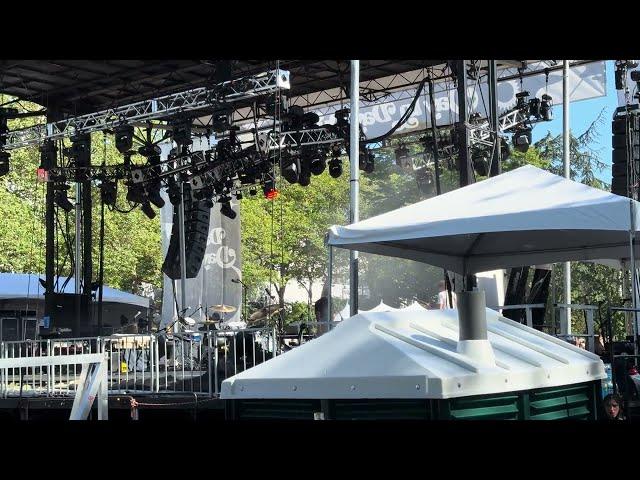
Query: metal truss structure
[313,136]
[154,109]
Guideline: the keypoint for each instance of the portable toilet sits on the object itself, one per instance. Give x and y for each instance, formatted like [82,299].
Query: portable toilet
[406,365]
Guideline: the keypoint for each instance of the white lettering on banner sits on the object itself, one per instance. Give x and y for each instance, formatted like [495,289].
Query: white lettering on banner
[216,235]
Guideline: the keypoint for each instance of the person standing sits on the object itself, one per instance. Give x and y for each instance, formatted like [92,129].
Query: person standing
[443,297]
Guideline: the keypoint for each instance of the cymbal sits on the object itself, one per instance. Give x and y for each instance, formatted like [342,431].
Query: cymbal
[264,312]
[208,322]
[223,308]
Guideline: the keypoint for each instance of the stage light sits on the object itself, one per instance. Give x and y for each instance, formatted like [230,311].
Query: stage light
[521,100]
[108,192]
[366,161]
[253,192]
[61,200]
[136,194]
[425,181]
[480,163]
[318,163]
[227,211]
[4,163]
[155,197]
[291,168]
[310,119]
[505,149]
[48,154]
[304,178]
[181,133]
[238,195]
[522,139]
[335,167]
[402,156]
[80,152]
[545,108]
[124,137]
[148,210]
[534,107]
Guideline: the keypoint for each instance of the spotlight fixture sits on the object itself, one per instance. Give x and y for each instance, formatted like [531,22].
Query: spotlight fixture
[335,167]
[545,108]
[80,152]
[534,107]
[318,162]
[253,192]
[291,168]
[522,139]
[425,181]
[108,192]
[148,210]
[304,178]
[4,163]
[227,211]
[480,163]
[136,194]
[61,200]
[153,194]
[505,149]
[181,133]
[366,161]
[402,156]
[48,154]
[238,195]
[124,137]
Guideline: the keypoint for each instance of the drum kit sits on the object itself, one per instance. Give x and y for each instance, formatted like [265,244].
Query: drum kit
[193,328]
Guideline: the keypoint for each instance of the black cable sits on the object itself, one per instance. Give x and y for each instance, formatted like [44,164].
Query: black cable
[402,120]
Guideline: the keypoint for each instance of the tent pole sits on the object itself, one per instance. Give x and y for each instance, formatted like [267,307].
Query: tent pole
[566,327]
[354,156]
[330,281]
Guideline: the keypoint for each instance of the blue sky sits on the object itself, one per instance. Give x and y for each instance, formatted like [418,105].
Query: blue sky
[581,114]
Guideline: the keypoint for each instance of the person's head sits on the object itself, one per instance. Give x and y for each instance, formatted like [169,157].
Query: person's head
[612,406]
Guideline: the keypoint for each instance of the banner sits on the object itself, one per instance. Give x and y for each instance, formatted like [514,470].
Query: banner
[221,264]
[586,81]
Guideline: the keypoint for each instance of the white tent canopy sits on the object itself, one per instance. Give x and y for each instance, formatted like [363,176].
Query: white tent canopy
[524,217]
[27,285]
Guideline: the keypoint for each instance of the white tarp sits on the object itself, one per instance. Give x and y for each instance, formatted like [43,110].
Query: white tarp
[524,217]
[27,285]
[413,354]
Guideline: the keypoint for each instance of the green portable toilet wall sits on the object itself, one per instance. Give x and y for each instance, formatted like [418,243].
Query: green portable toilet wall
[405,364]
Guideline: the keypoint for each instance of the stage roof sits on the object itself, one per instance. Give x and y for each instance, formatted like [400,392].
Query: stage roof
[83,86]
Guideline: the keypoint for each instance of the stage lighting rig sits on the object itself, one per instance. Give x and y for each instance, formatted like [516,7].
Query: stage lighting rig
[124,137]
[335,164]
[366,161]
[521,100]
[316,158]
[225,208]
[545,108]
[80,154]
[402,156]
[522,139]
[109,191]
[622,67]
[181,131]
[61,200]
[148,210]
[290,166]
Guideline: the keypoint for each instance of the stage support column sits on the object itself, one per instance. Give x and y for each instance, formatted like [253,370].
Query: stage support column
[354,157]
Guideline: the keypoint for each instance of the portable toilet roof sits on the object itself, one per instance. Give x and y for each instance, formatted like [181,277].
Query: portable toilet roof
[412,355]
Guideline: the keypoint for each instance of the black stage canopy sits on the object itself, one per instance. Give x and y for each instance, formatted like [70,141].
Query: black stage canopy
[76,87]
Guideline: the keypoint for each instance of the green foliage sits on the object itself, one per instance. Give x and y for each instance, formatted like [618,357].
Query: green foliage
[132,241]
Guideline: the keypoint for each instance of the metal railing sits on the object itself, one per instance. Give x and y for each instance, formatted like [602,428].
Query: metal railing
[194,362]
[561,309]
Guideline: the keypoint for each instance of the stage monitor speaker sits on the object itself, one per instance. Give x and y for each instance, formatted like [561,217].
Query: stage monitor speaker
[196,222]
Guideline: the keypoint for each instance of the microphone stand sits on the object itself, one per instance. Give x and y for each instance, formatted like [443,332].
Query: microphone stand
[244,297]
